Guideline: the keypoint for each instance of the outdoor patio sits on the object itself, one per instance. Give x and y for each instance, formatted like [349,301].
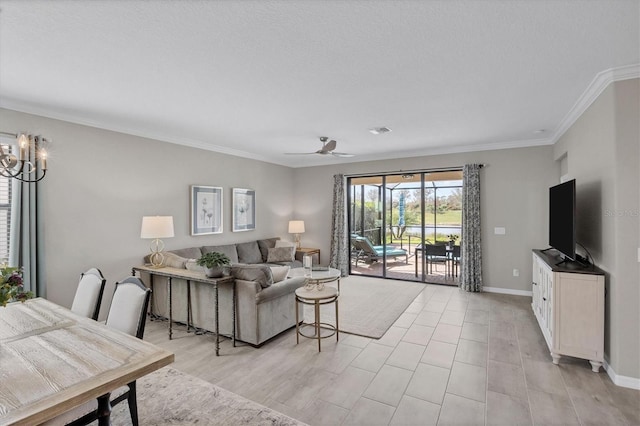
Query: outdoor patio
[439,273]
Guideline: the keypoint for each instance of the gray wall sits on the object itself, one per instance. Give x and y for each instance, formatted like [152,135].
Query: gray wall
[602,151]
[514,195]
[101,183]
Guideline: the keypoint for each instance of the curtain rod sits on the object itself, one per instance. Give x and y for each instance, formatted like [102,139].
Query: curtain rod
[8,134]
[394,172]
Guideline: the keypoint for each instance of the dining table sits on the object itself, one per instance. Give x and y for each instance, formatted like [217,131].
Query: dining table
[53,360]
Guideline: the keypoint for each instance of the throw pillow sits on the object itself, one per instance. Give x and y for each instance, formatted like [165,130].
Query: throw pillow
[191,265]
[265,245]
[281,254]
[279,273]
[258,273]
[174,261]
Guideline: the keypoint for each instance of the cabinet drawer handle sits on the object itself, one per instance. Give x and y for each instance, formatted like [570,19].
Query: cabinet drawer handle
[544,298]
[534,283]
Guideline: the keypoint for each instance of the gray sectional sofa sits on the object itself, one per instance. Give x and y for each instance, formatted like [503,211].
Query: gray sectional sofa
[264,307]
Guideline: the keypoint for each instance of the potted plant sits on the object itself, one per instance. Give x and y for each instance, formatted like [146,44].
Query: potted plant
[214,263]
[11,288]
[452,239]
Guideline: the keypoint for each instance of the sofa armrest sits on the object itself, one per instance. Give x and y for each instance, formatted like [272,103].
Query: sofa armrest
[247,288]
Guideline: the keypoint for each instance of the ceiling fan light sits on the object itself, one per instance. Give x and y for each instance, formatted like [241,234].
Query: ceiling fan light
[379,130]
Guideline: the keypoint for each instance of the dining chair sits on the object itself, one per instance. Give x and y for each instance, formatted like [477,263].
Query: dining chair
[88,297]
[127,313]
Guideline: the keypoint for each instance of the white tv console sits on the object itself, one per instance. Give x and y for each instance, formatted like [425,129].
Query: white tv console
[568,302]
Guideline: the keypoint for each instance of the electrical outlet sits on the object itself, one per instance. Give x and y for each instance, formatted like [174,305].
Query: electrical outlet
[516,272]
[499,231]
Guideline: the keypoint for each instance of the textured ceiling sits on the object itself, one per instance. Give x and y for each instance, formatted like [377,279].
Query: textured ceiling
[261,78]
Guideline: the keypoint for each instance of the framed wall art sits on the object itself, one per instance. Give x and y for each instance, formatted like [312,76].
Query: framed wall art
[206,210]
[244,209]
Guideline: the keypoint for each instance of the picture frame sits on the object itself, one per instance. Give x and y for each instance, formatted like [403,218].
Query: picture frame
[206,210]
[244,209]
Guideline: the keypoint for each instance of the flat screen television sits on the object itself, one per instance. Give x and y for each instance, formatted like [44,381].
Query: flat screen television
[562,218]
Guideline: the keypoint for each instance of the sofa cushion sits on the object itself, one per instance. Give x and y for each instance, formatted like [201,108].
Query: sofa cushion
[257,273]
[265,245]
[279,273]
[189,253]
[172,260]
[249,252]
[281,254]
[229,250]
[282,288]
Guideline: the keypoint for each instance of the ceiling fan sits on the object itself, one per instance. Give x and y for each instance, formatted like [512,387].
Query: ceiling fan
[328,147]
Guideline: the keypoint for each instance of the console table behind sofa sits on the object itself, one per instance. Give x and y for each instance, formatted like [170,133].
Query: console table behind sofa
[260,315]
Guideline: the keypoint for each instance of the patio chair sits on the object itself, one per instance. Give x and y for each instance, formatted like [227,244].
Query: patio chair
[372,253]
[434,253]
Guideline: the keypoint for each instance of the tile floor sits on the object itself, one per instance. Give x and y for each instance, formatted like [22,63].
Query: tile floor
[453,358]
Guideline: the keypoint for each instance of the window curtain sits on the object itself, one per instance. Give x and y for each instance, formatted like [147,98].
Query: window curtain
[339,253]
[470,245]
[26,250]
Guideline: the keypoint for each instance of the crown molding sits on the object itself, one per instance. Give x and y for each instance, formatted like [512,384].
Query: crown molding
[595,89]
[32,109]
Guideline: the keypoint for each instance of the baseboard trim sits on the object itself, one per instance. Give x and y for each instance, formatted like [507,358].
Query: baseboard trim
[623,381]
[508,291]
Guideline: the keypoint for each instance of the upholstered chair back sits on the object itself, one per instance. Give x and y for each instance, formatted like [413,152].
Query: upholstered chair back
[88,296]
[129,307]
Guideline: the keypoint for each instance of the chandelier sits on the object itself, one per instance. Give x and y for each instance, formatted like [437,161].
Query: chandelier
[30,165]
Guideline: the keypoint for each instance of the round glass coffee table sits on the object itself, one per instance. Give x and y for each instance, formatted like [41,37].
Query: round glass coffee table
[315,296]
[319,278]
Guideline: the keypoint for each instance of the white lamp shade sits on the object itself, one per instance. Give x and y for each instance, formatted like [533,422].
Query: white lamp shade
[157,227]
[296,226]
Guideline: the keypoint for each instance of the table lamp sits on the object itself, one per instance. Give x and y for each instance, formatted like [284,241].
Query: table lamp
[296,227]
[156,227]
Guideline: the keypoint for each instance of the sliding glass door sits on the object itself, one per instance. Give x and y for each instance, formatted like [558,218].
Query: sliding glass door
[406,226]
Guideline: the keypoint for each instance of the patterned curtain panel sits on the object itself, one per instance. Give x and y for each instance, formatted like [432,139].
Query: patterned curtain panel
[470,247]
[339,252]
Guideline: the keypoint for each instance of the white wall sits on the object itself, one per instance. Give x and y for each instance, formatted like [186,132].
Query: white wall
[514,195]
[602,149]
[100,184]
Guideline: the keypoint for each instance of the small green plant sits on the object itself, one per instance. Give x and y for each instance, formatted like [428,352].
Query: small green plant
[213,259]
[453,237]
[11,288]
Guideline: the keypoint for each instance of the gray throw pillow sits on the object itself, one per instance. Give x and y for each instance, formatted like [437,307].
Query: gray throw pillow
[265,245]
[281,254]
[258,273]
[229,250]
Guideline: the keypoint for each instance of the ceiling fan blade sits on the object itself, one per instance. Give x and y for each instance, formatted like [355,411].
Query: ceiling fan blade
[300,153]
[329,146]
[342,154]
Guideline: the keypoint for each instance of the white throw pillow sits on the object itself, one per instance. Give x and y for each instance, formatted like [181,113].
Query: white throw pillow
[282,243]
[279,273]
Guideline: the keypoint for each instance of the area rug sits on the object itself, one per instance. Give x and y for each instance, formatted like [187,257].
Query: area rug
[170,397]
[368,306]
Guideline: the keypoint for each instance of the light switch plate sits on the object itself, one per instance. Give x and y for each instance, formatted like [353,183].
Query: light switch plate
[499,231]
